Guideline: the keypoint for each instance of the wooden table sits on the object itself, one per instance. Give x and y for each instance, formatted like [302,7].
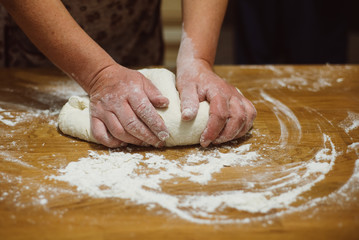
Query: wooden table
[305,114]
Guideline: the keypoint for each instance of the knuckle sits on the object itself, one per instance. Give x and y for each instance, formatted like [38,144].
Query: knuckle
[95,110]
[182,85]
[218,116]
[148,115]
[104,140]
[142,109]
[118,132]
[132,125]
[243,117]
[222,115]
[238,121]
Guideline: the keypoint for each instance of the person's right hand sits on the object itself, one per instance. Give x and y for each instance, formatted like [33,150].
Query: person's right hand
[122,107]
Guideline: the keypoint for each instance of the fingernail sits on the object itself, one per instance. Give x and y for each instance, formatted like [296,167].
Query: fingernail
[202,136]
[163,105]
[163,135]
[145,144]
[159,144]
[205,143]
[187,113]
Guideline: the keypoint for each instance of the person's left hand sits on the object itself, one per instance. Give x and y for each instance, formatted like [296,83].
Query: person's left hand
[231,115]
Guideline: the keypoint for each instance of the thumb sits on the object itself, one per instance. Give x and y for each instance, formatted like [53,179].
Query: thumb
[189,102]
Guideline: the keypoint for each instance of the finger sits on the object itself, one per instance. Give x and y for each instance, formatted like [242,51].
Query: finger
[116,130]
[154,95]
[251,115]
[148,114]
[101,134]
[218,114]
[134,126]
[236,122]
[189,102]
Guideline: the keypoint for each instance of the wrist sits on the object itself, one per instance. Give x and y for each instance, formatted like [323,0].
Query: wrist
[193,67]
[87,75]
[104,74]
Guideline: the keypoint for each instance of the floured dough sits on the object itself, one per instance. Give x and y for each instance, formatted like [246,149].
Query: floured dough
[74,119]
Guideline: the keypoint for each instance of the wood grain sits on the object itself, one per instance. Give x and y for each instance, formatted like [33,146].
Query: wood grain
[320,97]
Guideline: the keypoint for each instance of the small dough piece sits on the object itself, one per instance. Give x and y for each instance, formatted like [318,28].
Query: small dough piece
[74,118]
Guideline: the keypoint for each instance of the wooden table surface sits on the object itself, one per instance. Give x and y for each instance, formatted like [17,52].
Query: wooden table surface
[306,115]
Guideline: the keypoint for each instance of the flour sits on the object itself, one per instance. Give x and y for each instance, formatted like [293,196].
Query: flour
[186,57]
[351,186]
[12,119]
[354,146]
[141,179]
[64,88]
[8,122]
[284,114]
[12,114]
[351,122]
[44,104]
[307,79]
[9,158]
[116,168]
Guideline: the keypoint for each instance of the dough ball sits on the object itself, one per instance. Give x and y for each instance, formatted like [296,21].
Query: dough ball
[74,118]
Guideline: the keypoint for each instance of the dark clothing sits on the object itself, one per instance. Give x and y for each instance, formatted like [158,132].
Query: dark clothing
[291,31]
[129,30]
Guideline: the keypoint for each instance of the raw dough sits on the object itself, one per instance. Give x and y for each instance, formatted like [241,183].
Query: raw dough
[74,118]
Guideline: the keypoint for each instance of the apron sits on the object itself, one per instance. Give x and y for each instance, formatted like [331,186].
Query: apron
[129,30]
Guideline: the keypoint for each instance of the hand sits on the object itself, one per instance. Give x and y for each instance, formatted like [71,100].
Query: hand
[231,115]
[122,109]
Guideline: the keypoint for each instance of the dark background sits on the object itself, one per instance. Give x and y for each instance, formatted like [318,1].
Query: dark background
[226,47]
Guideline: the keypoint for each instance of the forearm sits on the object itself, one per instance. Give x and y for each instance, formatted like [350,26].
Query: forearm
[52,29]
[202,21]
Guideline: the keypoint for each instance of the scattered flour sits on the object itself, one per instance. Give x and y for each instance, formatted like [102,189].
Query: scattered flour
[12,119]
[284,114]
[141,179]
[351,122]
[8,122]
[5,156]
[354,146]
[64,88]
[307,79]
[13,114]
[351,186]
